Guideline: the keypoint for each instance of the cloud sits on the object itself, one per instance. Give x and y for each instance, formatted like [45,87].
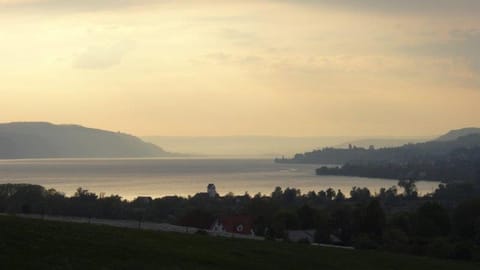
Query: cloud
[466,45]
[218,57]
[221,58]
[401,6]
[103,57]
[238,37]
[460,7]
[461,45]
[72,5]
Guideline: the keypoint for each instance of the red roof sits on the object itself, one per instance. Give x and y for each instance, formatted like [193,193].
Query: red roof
[237,224]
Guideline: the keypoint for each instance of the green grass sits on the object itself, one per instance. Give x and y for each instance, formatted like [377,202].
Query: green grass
[36,244]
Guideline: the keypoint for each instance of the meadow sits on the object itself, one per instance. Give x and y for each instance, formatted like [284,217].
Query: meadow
[37,244]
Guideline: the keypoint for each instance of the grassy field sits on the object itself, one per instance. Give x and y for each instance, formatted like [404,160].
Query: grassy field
[36,244]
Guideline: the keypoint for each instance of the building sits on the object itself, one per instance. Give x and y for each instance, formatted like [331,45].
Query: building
[212,191]
[234,224]
[301,235]
[144,200]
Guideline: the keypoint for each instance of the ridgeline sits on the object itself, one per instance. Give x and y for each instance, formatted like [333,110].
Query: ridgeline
[44,140]
[454,157]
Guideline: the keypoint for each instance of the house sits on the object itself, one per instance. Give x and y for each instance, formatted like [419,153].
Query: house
[301,235]
[234,224]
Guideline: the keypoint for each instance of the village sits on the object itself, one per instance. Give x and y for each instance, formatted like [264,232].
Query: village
[233,226]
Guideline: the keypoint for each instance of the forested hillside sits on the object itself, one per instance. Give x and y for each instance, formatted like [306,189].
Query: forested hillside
[45,140]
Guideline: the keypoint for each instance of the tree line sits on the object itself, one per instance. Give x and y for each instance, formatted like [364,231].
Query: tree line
[462,164]
[443,224]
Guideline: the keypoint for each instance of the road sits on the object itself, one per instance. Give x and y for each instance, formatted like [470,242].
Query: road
[134,224]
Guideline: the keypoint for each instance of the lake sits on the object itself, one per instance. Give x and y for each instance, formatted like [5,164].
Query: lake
[130,178]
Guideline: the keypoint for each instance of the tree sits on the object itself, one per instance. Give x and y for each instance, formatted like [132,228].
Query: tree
[388,195]
[360,194]
[402,221]
[291,194]
[466,218]
[306,216]
[341,223]
[322,196]
[57,203]
[26,199]
[312,195]
[84,194]
[370,219]
[409,187]
[330,194]
[110,206]
[284,220]
[340,197]
[375,218]
[432,220]
[322,228]
[83,203]
[277,193]
[198,218]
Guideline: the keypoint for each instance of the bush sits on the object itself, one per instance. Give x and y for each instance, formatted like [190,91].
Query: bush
[201,232]
[395,239]
[462,251]
[363,241]
[440,248]
[304,241]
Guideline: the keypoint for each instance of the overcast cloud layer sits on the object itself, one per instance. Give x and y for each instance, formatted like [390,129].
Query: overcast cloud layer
[271,67]
[404,6]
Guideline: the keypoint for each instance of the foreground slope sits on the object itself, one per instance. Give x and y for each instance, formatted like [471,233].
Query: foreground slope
[45,140]
[34,244]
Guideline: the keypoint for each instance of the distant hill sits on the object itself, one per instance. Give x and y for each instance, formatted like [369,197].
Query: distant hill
[407,153]
[267,146]
[384,142]
[251,146]
[457,133]
[45,140]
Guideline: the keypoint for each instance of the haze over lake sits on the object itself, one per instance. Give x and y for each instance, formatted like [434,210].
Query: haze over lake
[130,178]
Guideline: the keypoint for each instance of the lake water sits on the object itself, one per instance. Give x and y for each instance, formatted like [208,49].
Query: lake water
[130,178]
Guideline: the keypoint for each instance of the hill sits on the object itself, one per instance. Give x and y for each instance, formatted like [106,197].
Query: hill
[45,140]
[266,146]
[383,142]
[250,146]
[461,165]
[457,133]
[406,153]
[34,244]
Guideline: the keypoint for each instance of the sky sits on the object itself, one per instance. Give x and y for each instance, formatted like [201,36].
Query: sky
[240,67]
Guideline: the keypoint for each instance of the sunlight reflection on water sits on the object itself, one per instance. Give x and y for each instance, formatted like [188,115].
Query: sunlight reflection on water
[160,177]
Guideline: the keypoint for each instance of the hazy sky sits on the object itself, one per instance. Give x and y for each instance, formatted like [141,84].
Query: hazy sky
[277,67]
